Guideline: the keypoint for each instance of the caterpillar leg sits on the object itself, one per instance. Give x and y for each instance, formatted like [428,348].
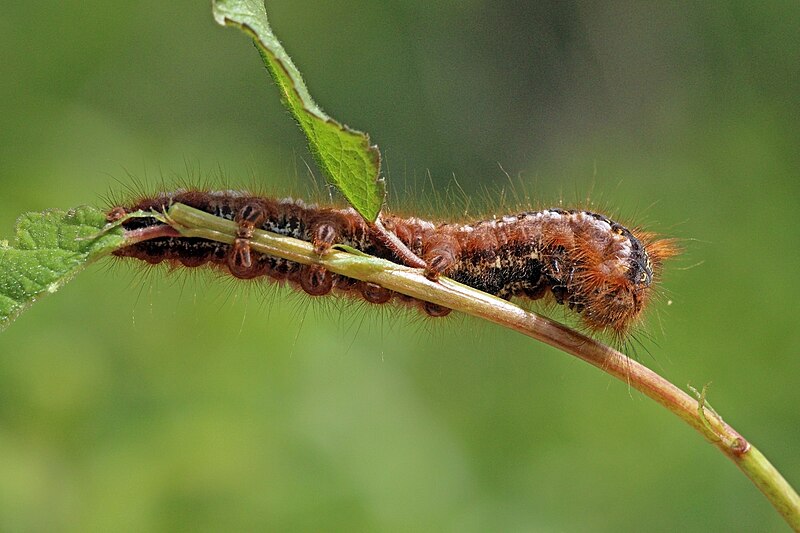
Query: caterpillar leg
[441,254]
[316,280]
[323,236]
[241,262]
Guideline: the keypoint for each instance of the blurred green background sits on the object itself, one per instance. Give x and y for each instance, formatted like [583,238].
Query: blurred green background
[146,401]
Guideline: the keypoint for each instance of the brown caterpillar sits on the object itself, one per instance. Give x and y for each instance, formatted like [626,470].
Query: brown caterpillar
[596,267]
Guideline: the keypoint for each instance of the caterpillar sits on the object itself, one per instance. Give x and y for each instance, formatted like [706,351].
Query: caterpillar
[594,266]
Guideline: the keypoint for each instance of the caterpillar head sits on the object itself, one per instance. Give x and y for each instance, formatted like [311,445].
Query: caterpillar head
[616,288]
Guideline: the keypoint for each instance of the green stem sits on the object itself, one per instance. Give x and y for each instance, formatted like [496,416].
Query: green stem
[194,223]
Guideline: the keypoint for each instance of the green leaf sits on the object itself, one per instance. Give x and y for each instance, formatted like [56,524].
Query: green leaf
[48,250]
[345,155]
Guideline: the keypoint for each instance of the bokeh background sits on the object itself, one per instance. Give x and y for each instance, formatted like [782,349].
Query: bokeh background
[135,401]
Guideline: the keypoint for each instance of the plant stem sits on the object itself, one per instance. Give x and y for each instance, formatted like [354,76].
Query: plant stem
[191,222]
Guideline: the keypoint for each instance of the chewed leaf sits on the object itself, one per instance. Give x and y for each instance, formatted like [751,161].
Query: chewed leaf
[49,248]
[344,155]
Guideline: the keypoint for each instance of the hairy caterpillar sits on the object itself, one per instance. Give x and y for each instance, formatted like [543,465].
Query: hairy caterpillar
[598,268]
